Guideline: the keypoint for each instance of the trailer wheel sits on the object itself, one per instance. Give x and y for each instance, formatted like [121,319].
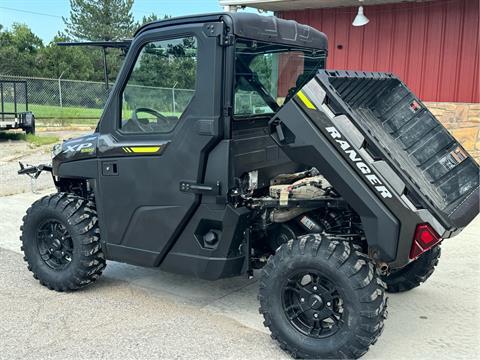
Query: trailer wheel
[415,273]
[61,242]
[322,298]
[31,129]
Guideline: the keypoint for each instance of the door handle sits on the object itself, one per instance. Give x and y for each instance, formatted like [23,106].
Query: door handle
[205,189]
[109,168]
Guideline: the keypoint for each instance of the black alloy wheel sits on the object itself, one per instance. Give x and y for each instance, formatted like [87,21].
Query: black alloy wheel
[322,298]
[54,244]
[312,304]
[61,242]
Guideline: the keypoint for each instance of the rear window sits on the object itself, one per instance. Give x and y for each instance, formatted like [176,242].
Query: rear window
[269,74]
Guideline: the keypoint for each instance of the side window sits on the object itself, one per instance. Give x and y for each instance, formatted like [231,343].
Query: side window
[160,87]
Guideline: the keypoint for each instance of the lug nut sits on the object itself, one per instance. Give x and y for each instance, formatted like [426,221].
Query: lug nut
[302,300]
[315,316]
[315,288]
[329,303]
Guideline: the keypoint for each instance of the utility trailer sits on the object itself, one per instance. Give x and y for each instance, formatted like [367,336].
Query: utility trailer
[14,112]
[339,186]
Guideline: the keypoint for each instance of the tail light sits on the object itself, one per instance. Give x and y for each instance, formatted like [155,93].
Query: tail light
[425,238]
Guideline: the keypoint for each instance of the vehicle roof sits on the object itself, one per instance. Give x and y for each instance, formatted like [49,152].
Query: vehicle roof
[254,26]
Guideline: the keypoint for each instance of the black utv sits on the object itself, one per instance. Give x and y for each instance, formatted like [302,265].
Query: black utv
[225,147]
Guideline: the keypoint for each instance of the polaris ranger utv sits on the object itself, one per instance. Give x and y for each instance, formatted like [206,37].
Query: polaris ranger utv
[338,185]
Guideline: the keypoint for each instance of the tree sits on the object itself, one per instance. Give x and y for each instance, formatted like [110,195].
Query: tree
[23,53]
[149,18]
[20,37]
[69,62]
[20,49]
[100,20]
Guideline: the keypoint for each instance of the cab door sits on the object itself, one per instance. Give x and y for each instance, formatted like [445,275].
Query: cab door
[162,119]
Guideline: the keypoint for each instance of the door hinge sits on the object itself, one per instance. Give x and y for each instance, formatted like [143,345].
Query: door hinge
[227,111]
[226,39]
[218,29]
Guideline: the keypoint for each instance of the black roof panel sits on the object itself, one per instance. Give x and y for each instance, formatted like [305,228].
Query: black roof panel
[254,26]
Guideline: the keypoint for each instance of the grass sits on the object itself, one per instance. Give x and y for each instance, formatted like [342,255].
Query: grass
[54,115]
[57,112]
[42,122]
[32,139]
[41,140]
[50,115]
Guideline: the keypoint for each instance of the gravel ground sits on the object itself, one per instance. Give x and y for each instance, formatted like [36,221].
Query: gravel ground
[133,312]
[113,320]
[13,151]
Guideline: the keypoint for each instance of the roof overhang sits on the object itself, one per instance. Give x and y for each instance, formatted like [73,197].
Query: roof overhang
[282,5]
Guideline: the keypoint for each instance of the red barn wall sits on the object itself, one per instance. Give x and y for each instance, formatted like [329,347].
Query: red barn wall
[432,46]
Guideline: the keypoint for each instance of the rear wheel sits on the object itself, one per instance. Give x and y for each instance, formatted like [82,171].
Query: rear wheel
[415,273]
[321,298]
[61,242]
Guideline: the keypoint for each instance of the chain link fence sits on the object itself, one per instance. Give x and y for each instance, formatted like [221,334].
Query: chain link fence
[64,102]
[57,101]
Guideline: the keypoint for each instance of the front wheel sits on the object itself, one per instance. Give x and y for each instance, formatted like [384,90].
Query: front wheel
[61,242]
[322,298]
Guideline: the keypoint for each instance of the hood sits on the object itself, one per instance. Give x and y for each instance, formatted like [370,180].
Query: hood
[82,147]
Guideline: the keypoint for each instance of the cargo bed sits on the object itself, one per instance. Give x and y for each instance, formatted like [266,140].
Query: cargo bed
[392,149]
[442,174]
[414,140]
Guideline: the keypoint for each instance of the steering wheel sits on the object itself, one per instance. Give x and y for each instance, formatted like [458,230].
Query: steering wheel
[146,127]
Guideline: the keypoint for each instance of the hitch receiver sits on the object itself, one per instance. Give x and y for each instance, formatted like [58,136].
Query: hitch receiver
[33,171]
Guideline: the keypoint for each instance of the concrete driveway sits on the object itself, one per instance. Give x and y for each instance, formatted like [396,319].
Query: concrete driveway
[13,151]
[132,312]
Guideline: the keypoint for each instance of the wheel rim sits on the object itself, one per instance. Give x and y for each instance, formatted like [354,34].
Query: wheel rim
[312,304]
[55,245]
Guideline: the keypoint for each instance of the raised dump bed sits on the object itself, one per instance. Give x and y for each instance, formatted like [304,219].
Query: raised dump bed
[409,137]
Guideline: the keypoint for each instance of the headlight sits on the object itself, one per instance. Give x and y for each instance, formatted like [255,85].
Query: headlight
[57,149]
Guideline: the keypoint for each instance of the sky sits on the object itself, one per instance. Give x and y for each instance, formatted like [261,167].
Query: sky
[44,17]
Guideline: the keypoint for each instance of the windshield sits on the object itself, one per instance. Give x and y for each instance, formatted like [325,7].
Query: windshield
[268,75]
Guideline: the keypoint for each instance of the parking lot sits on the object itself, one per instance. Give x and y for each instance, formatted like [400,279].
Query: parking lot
[133,312]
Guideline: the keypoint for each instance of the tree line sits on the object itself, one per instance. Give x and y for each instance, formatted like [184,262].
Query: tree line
[24,53]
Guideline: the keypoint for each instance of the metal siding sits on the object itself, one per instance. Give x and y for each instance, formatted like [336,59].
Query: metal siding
[433,46]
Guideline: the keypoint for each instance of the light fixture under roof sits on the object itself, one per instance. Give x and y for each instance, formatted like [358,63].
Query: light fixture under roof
[360,19]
